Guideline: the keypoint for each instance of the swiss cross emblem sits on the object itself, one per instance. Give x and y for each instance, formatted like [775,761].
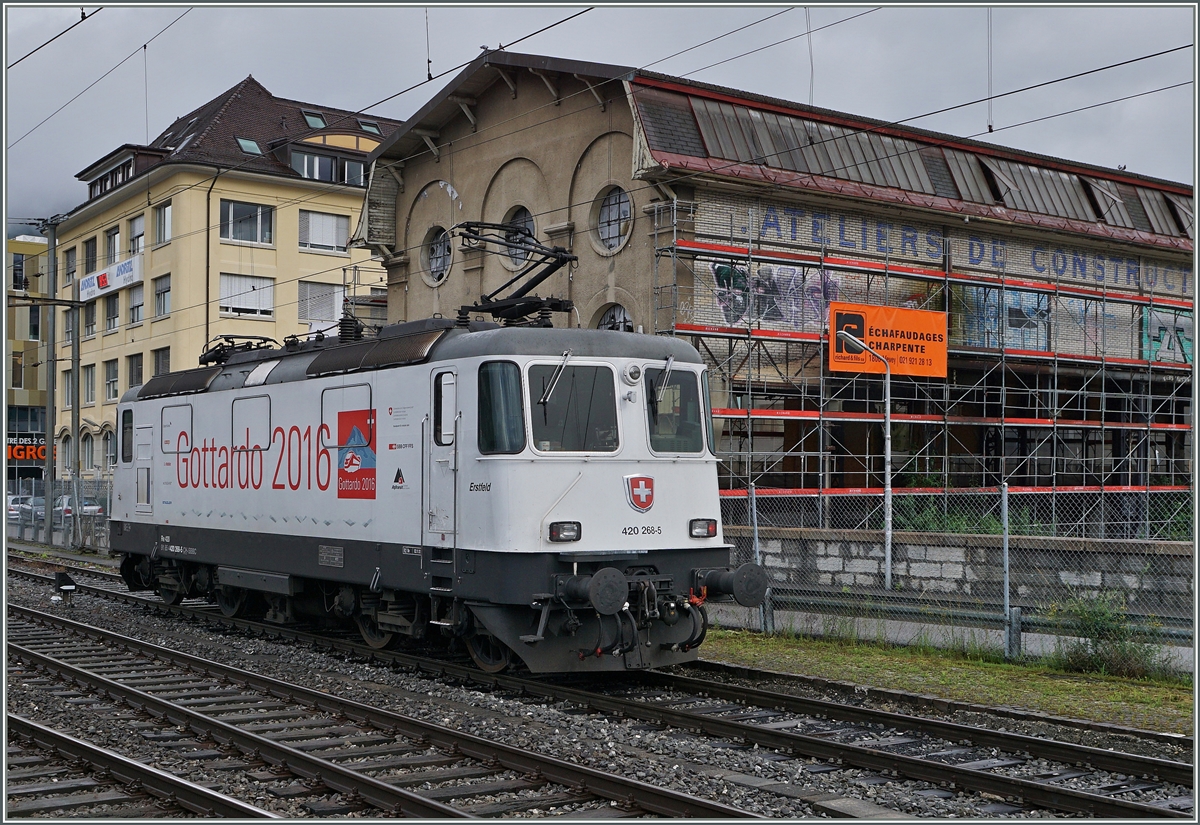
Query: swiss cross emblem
[640,491]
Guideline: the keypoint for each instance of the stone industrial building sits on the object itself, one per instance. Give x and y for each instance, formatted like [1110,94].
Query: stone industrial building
[734,219]
[233,221]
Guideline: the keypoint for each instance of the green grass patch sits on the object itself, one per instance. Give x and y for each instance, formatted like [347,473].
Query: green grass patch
[981,677]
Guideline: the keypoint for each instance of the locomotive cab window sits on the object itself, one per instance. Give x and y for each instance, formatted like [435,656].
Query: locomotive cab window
[445,405]
[674,413]
[574,408]
[126,436]
[501,417]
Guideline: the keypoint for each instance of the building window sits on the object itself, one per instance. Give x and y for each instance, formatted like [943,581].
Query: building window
[247,222]
[133,369]
[18,269]
[112,311]
[89,256]
[112,246]
[69,325]
[321,231]
[319,303]
[316,167]
[614,218]
[110,451]
[68,394]
[436,252]
[87,384]
[110,380]
[67,464]
[87,452]
[69,263]
[521,222]
[370,126]
[89,319]
[162,223]
[18,369]
[315,120]
[250,147]
[162,296]
[35,323]
[162,361]
[136,299]
[354,173]
[247,295]
[137,235]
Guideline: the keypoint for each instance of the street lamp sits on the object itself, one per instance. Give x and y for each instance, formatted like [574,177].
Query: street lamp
[856,346]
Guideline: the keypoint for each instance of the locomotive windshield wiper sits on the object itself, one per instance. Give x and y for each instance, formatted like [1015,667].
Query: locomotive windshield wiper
[554,378]
[666,377]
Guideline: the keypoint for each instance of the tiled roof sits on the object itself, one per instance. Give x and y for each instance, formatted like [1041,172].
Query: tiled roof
[209,134]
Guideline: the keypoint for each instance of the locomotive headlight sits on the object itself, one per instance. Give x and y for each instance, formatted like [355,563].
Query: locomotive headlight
[631,374]
[702,528]
[565,531]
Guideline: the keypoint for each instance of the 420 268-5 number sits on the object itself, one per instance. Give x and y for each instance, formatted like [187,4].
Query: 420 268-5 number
[645,530]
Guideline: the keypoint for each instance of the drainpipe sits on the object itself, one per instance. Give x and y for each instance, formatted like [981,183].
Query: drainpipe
[208,253]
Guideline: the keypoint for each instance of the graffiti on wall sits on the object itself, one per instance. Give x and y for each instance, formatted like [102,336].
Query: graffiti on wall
[1168,336]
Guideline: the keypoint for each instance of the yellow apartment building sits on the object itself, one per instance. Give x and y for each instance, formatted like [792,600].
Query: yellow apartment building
[230,227]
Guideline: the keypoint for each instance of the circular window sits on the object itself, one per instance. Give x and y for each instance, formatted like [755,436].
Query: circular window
[436,254]
[613,218]
[616,317]
[520,223]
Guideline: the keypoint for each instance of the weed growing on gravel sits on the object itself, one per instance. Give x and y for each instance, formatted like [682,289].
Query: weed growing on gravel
[1103,640]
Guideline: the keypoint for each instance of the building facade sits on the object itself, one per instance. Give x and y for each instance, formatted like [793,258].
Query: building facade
[24,365]
[230,227]
[735,220]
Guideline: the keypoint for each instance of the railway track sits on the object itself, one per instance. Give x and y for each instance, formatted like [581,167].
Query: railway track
[51,774]
[347,756]
[890,747]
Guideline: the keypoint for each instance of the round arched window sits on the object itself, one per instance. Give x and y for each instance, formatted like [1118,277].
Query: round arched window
[520,221]
[436,253]
[87,452]
[616,317]
[614,219]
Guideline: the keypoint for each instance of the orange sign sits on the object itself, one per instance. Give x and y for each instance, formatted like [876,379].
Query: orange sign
[912,340]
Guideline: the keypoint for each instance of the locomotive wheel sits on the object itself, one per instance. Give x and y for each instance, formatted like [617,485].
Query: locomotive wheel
[372,633]
[231,600]
[489,653]
[169,594]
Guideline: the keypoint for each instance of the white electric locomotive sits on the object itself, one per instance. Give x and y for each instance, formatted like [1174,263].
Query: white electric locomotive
[543,495]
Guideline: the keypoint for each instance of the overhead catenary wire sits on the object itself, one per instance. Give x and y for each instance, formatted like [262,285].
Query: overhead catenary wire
[409,249]
[60,34]
[97,80]
[557,117]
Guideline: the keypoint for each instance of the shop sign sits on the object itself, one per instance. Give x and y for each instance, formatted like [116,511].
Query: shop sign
[117,276]
[912,340]
[26,447]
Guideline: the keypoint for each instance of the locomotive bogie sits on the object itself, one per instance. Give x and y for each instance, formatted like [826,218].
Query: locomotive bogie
[531,493]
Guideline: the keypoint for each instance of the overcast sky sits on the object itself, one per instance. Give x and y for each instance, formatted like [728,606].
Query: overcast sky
[891,63]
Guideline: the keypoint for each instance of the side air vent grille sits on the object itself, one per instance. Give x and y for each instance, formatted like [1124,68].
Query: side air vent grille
[176,383]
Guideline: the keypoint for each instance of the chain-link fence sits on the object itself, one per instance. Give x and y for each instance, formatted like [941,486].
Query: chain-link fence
[79,515]
[1087,568]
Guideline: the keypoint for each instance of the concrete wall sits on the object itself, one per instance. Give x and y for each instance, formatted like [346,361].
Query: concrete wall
[1156,578]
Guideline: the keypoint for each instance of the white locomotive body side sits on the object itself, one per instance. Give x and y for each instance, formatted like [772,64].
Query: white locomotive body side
[545,493]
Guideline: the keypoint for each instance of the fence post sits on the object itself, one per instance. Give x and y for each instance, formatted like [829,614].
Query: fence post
[766,614]
[1012,629]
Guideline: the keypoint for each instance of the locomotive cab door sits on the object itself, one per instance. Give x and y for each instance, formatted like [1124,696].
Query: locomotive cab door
[441,489]
[143,461]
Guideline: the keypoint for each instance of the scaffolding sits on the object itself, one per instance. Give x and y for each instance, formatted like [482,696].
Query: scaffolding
[1078,398]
